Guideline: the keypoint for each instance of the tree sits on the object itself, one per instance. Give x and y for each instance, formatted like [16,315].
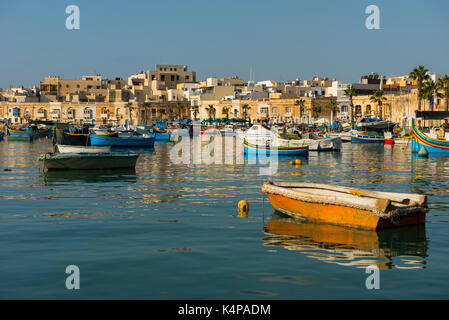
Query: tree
[316,109]
[420,74]
[333,107]
[443,85]
[161,111]
[301,103]
[211,111]
[378,97]
[350,92]
[145,105]
[225,111]
[195,110]
[130,108]
[179,110]
[430,90]
[245,109]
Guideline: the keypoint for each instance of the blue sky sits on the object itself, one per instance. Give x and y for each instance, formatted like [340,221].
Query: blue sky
[280,39]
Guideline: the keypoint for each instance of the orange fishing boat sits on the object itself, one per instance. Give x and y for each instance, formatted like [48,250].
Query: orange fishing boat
[348,207]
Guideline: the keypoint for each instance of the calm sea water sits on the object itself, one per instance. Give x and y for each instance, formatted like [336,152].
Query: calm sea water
[171,231]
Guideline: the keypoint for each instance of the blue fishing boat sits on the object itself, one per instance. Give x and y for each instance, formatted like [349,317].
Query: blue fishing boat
[253,149]
[367,137]
[136,141]
[433,145]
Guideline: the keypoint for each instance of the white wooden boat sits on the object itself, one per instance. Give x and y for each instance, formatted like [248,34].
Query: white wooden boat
[82,149]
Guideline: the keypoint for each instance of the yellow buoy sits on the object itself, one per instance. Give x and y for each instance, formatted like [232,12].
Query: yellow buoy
[243,208]
[298,162]
[292,162]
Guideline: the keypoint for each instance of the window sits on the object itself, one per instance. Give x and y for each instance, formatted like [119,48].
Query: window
[172,78]
[288,110]
[162,77]
[177,78]
[153,77]
[78,86]
[187,77]
[67,86]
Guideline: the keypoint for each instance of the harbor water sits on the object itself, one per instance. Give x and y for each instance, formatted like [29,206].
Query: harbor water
[172,231]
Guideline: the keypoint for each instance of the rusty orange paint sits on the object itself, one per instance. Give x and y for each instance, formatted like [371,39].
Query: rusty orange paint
[339,215]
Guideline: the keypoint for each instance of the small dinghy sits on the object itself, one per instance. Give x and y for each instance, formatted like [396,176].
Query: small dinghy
[88,161]
[349,207]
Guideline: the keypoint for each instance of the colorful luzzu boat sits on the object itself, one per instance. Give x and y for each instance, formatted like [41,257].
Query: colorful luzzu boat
[254,149]
[27,133]
[431,145]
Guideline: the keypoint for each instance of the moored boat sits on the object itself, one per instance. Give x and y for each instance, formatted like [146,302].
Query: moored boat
[67,134]
[137,141]
[267,149]
[88,161]
[367,137]
[389,138]
[349,207]
[434,143]
[374,124]
[28,132]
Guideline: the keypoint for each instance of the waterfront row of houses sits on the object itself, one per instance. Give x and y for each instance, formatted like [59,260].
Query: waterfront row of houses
[173,92]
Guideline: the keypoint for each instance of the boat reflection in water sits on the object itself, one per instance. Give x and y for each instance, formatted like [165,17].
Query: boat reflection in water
[402,248]
[90,176]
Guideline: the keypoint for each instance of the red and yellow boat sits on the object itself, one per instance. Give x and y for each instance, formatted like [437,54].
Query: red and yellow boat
[348,207]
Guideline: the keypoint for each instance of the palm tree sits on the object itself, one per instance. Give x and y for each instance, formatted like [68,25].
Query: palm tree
[179,110]
[332,106]
[420,74]
[211,111]
[225,111]
[145,105]
[350,92]
[130,107]
[245,109]
[195,110]
[301,103]
[378,97]
[430,90]
[316,109]
[161,111]
[443,85]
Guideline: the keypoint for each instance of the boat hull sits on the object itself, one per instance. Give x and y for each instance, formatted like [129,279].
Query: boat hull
[29,133]
[432,146]
[358,138]
[339,215]
[20,138]
[73,139]
[129,142]
[89,161]
[251,149]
